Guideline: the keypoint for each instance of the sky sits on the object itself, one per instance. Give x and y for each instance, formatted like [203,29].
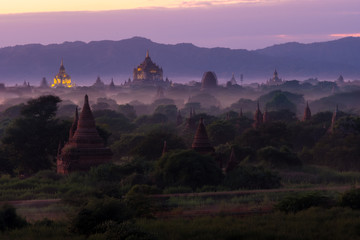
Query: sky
[236,24]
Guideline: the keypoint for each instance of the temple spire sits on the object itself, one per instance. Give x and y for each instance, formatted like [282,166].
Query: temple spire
[233,162]
[147,53]
[307,113]
[201,141]
[258,117]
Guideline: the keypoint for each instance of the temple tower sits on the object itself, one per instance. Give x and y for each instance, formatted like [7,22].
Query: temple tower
[62,79]
[232,163]
[307,113]
[258,117]
[85,147]
[201,141]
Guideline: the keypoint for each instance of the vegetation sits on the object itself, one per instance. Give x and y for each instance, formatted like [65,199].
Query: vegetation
[121,200]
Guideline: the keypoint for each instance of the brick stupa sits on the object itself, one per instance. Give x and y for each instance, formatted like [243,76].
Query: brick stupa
[201,141]
[258,117]
[307,113]
[85,147]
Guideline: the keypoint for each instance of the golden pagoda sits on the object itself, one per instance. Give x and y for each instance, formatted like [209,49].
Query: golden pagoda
[62,78]
[147,72]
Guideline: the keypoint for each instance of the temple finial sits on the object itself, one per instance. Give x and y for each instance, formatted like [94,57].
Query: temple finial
[147,53]
[86,99]
[62,62]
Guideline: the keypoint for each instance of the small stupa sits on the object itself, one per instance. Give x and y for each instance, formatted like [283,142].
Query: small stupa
[201,141]
[258,117]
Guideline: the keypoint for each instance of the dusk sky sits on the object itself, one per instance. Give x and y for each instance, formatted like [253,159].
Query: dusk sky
[237,24]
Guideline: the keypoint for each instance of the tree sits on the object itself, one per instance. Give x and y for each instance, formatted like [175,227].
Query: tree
[282,158]
[280,102]
[221,132]
[32,140]
[170,111]
[152,144]
[187,168]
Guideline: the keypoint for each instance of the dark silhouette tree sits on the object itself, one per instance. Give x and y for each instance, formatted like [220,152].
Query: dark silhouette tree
[32,140]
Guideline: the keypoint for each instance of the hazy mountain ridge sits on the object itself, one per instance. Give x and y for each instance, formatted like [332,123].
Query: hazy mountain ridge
[118,58]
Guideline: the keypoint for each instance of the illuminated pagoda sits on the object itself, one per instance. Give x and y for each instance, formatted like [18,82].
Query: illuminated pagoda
[62,79]
[85,148]
[147,73]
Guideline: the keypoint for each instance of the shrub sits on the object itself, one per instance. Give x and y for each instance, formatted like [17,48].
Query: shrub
[137,200]
[351,199]
[178,189]
[97,212]
[250,177]
[126,231]
[9,219]
[187,168]
[298,202]
[282,158]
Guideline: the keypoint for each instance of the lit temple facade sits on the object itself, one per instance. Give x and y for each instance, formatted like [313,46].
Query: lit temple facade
[62,78]
[147,72]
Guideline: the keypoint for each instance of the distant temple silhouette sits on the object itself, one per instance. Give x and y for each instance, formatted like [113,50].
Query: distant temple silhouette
[85,147]
[258,117]
[147,73]
[307,113]
[209,81]
[62,79]
[275,80]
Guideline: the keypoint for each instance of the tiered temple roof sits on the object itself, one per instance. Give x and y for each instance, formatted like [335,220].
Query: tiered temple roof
[201,141]
[275,80]
[85,147]
[62,79]
[147,71]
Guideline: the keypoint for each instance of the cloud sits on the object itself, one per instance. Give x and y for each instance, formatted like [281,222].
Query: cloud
[209,3]
[345,35]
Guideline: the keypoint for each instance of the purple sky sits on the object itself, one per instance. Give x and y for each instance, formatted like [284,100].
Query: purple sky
[249,26]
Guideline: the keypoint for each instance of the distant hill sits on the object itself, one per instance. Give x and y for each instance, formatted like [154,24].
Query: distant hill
[118,58]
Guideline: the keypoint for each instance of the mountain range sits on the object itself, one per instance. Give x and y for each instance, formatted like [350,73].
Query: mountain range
[117,59]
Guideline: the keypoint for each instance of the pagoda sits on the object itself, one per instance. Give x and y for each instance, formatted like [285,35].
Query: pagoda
[62,79]
[307,113]
[275,80]
[201,141]
[147,72]
[85,148]
[258,117]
